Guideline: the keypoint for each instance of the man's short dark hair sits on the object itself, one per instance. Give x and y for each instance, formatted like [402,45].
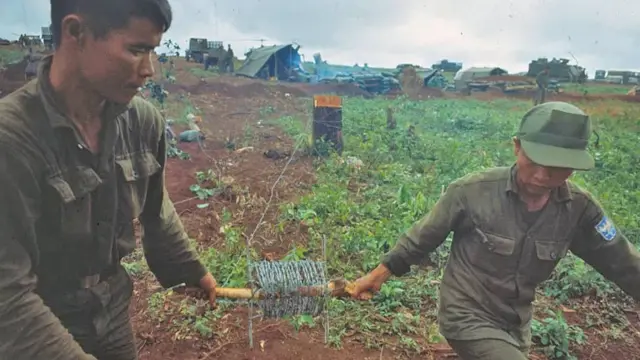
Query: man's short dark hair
[104,16]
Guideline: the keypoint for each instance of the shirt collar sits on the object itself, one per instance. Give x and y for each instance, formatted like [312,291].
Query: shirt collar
[52,103]
[559,194]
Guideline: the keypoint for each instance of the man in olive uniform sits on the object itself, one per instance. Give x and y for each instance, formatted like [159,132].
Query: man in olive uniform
[229,56]
[80,158]
[511,226]
[542,80]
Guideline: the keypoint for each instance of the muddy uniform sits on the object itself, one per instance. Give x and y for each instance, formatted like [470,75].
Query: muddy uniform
[542,80]
[66,221]
[501,251]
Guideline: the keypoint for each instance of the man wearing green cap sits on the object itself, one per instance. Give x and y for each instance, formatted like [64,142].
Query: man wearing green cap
[511,226]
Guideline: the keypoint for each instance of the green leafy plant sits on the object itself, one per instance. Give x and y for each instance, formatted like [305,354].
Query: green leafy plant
[361,210]
[556,336]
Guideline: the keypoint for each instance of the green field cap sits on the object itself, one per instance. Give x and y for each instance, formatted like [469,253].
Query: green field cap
[556,134]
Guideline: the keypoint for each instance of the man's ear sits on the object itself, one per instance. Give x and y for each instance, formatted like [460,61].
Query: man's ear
[73,29]
[516,145]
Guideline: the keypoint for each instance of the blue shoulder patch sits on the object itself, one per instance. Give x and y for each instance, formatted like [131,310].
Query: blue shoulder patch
[606,228]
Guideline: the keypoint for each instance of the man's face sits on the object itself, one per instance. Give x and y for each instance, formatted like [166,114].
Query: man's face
[536,179]
[118,64]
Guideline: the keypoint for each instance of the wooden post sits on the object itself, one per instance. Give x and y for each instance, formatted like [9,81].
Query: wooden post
[391,122]
[327,122]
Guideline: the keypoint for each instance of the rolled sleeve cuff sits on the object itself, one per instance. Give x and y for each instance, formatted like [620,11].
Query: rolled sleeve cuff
[396,263]
[189,273]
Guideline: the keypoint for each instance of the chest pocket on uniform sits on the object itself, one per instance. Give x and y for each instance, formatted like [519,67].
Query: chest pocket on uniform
[74,191]
[490,252]
[548,254]
[136,169]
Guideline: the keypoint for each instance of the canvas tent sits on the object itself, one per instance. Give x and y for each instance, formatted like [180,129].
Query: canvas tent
[465,76]
[271,61]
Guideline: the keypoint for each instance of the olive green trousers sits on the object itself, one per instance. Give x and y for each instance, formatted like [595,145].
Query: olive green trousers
[541,96]
[98,318]
[487,349]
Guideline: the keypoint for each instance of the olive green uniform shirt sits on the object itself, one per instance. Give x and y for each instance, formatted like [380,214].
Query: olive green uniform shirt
[500,252]
[542,79]
[68,213]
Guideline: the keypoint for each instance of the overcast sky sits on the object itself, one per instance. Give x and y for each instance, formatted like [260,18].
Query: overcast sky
[599,34]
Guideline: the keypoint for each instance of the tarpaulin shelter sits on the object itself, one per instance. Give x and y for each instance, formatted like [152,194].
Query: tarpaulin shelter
[464,76]
[271,61]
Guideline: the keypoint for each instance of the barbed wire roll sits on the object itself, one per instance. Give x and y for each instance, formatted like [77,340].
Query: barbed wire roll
[280,282]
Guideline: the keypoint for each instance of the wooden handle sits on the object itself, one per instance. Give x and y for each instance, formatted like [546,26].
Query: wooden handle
[337,288]
[238,293]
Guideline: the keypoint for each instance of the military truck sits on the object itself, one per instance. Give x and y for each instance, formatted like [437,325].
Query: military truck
[559,69]
[201,48]
[47,37]
[447,66]
[197,48]
[626,76]
[216,53]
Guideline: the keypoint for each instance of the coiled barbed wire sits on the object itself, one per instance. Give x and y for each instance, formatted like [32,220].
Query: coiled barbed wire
[280,282]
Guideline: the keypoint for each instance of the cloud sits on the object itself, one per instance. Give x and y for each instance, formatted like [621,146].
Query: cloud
[22,16]
[390,32]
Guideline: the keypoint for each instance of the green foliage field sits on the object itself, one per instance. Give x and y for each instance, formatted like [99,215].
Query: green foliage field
[10,55]
[361,210]
[594,88]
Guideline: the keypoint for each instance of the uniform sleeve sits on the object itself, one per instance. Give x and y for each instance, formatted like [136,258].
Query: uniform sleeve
[599,243]
[165,242]
[28,328]
[426,235]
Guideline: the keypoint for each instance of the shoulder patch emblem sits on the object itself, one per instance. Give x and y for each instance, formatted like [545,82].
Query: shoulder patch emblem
[606,228]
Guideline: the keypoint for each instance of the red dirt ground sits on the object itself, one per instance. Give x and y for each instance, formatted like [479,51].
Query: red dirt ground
[12,78]
[230,107]
[601,348]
